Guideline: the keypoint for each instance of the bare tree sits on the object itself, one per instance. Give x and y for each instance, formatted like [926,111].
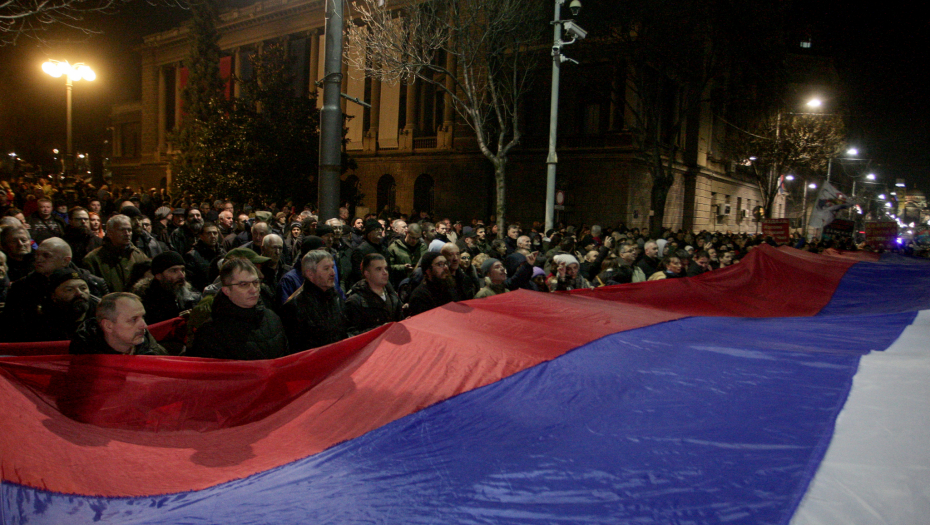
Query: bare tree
[32,18]
[778,144]
[479,52]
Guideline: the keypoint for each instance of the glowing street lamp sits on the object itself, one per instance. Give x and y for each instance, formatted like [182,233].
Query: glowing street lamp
[72,73]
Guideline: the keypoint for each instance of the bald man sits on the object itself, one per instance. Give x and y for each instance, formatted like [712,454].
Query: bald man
[27,294]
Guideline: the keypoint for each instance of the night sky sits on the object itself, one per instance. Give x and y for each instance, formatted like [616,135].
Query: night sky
[880,50]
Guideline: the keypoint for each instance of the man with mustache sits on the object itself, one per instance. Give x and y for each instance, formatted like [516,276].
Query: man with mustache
[68,304]
[167,294]
[183,238]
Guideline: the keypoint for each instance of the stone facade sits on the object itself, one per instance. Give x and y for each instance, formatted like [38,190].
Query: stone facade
[411,151]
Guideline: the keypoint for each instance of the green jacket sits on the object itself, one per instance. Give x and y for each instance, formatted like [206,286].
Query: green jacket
[400,255]
[113,264]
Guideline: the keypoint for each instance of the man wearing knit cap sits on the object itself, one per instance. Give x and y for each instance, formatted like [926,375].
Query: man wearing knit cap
[167,294]
[371,244]
[433,292]
[495,271]
[64,306]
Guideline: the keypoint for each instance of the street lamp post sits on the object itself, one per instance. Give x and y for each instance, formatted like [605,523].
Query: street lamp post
[557,58]
[71,73]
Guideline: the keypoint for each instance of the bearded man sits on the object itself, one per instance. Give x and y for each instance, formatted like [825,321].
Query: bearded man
[167,294]
[67,305]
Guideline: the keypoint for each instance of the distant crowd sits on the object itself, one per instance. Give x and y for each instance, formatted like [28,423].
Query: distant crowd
[97,265]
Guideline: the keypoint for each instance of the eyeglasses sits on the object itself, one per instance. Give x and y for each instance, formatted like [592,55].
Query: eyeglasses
[245,285]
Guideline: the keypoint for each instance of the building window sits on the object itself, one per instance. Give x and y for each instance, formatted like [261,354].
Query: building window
[423,194]
[386,193]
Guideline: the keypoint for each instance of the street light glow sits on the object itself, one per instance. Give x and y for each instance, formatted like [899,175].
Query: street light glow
[812,186]
[789,177]
[881,196]
[814,103]
[900,184]
[887,204]
[852,151]
[870,176]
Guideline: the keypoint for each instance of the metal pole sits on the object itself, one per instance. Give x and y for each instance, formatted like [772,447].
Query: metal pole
[829,168]
[552,159]
[331,114]
[804,215]
[69,156]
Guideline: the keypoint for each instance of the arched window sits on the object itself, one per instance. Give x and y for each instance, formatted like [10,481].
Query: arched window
[386,191]
[423,193]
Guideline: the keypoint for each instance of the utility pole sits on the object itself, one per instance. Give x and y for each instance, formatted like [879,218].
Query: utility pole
[331,113]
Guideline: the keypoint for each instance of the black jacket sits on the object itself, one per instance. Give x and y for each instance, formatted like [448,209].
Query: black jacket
[81,242]
[240,333]
[313,317]
[366,310]
[160,304]
[428,295]
[197,263]
[89,340]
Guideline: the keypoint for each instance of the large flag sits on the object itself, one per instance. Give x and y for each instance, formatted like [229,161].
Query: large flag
[789,387]
[829,201]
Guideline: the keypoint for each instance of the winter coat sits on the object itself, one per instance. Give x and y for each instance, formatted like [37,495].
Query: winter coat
[240,333]
[197,263]
[313,317]
[366,310]
[81,242]
[41,229]
[428,295]
[24,300]
[149,245]
[160,304]
[399,254]
[113,264]
[358,254]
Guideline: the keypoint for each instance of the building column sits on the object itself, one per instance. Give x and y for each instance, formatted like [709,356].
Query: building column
[444,134]
[405,140]
[374,121]
[162,87]
[178,98]
[314,74]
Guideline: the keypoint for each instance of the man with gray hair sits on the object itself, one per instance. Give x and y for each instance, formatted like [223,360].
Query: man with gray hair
[313,315]
[650,261]
[118,328]
[113,261]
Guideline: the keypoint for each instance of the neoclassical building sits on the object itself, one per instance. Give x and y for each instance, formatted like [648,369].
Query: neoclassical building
[413,154]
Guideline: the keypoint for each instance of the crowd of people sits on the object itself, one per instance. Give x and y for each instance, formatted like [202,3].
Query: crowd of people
[97,265]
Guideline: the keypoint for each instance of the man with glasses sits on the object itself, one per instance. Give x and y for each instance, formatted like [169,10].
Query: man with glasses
[240,327]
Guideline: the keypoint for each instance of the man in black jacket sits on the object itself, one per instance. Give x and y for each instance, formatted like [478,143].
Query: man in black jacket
[313,316]
[371,244]
[240,326]
[434,291]
[118,328]
[372,302]
[205,250]
[167,294]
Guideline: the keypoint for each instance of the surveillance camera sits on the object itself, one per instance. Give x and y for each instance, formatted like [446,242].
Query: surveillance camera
[575,6]
[573,30]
